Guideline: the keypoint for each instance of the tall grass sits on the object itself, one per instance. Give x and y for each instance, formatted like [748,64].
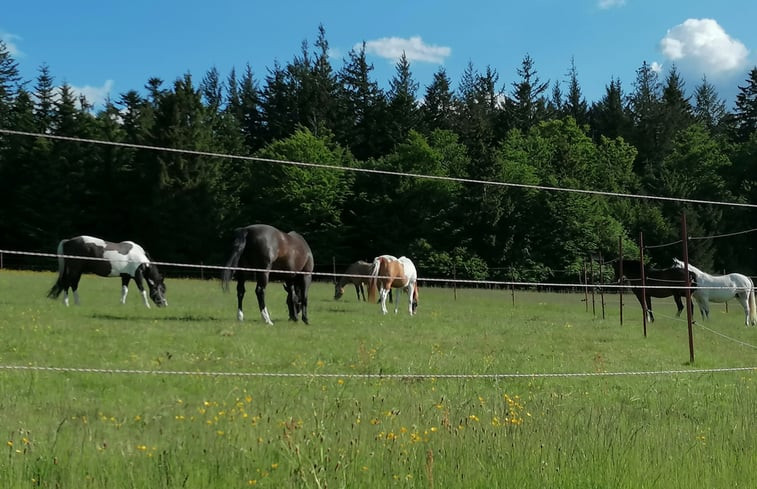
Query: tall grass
[80,429]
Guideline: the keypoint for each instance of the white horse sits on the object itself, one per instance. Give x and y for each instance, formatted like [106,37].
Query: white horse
[389,272]
[721,288]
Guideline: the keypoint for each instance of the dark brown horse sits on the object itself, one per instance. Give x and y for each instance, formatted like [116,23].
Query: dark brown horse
[267,249]
[659,283]
[356,274]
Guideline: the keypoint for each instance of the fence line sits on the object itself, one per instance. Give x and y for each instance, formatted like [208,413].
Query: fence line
[378,376]
[331,274]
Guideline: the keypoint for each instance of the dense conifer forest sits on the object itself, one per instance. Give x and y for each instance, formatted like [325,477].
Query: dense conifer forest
[648,136]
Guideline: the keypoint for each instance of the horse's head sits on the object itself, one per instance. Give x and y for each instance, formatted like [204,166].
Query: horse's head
[338,291]
[156,285]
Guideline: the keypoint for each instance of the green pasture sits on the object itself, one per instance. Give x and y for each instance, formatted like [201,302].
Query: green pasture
[331,425]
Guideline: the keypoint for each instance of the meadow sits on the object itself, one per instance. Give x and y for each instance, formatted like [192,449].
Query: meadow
[302,405]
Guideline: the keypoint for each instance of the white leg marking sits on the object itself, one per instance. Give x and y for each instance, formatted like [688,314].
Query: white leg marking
[124,293]
[144,298]
[383,301]
[240,315]
[65,298]
[266,316]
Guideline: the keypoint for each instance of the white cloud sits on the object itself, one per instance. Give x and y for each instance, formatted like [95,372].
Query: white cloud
[414,48]
[10,43]
[704,46]
[608,4]
[94,95]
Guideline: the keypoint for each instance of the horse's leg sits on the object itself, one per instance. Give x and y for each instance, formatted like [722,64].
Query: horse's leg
[361,291]
[743,299]
[358,286]
[397,298]
[240,295]
[137,280]
[260,292]
[292,290]
[410,288]
[304,281]
[679,304]
[65,283]
[382,298]
[74,287]
[650,314]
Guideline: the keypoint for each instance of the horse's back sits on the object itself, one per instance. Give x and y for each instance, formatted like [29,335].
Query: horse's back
[267,246]
[409,269]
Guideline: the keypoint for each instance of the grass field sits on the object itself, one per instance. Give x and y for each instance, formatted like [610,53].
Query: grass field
[122,427]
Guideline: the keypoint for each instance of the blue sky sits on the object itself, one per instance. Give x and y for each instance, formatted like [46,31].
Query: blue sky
[102,47]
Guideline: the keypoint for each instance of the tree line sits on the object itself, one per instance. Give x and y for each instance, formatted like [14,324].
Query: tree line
[653,138]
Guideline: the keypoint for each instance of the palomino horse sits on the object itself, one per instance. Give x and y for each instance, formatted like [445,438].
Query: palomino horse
[398,273]
[127,260]
[661,283]
[720,288]
[356,274]
[267,249]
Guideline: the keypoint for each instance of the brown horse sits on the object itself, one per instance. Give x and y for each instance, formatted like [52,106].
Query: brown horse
[356,274]
[267,249]
[660,283]
[389,272]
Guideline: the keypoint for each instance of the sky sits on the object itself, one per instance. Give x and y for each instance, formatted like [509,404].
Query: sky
[103,48]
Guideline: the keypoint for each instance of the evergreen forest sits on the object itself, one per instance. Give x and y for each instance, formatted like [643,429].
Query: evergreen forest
[649,136]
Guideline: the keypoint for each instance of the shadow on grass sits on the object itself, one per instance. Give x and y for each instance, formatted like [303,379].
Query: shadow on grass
[186,317]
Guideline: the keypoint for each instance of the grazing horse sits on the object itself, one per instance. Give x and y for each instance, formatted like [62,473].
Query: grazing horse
[398,273]
[356,274]
[720,288]
[267,249]
[661,283]
[126,259]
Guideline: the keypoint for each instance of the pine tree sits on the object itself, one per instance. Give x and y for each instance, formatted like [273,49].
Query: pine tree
[403,109]
[9,84]
[676,110]
[709,110]
[745,113]
[645,110]
[365,104]
[437,110]
[528,96]
[609,117]
[575,104]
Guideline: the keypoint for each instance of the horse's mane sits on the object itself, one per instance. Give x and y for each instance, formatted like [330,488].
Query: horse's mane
[679,264]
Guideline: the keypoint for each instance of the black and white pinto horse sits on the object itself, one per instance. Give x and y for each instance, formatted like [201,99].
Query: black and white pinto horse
[126,259]
[265,249]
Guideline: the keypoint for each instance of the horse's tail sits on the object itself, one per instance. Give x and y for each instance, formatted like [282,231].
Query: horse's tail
[752,306]
[240,241]
[373,281]
[57,288]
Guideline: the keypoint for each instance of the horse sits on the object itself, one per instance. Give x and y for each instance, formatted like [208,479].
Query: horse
[399,273]
[720,288]
[267,249]
[126,259]
[662,283]
[356,274]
